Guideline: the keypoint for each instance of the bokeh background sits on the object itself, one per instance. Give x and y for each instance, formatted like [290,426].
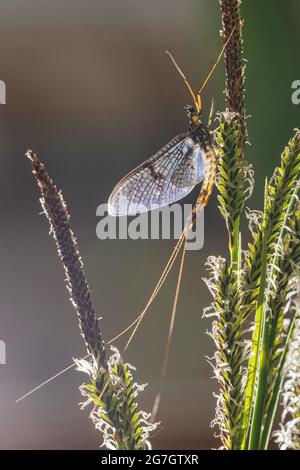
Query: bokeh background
[90,89]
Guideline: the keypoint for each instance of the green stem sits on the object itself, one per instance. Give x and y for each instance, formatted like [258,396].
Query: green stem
[267,340]
[257,333]
[264,442]
[235,255]
[269,335]
[261,389]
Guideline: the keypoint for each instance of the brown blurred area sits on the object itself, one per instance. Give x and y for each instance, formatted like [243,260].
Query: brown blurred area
[91,91]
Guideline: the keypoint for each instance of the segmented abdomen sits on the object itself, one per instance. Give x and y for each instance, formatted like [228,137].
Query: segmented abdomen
[208,182]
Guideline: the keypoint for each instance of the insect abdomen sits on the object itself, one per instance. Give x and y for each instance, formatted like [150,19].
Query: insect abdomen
[208,181]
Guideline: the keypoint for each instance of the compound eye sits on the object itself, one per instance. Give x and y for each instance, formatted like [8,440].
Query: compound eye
[190,109]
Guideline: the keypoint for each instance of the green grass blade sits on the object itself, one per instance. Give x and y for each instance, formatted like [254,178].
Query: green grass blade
[265,438]
[257,333]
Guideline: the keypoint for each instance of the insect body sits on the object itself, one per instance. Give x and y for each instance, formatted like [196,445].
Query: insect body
[170,174]
[176,169]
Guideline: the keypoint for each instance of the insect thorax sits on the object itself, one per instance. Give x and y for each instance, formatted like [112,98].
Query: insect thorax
[200,134]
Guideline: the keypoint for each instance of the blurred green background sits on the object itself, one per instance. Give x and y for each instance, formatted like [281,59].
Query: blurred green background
[91,90]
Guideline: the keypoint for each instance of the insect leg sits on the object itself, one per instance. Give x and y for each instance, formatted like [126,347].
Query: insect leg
[211,113]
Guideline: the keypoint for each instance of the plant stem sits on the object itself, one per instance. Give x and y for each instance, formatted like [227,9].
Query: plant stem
[261,388]
[264,442]
[266,330]
[267,341]
[257,334]
[235,76]
[56,211]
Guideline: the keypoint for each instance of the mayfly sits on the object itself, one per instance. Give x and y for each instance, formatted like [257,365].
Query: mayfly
[171,174]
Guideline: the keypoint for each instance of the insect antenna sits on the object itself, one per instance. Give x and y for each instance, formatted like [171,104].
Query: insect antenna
[184,79]
[203,84]
[197,98]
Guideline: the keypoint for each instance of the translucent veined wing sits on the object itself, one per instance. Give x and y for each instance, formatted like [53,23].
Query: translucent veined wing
[191,172]
[166,177]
